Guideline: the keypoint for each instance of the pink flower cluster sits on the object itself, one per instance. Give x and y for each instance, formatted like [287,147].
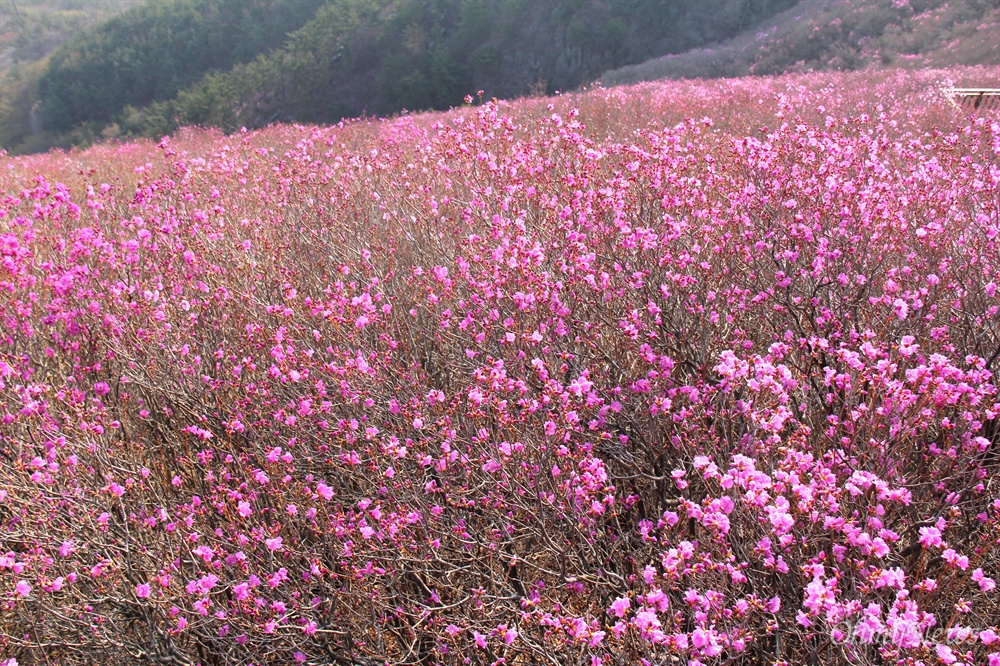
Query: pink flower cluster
[686,371]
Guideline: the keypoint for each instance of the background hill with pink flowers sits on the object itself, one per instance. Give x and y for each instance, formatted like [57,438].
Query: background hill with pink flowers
[129,68]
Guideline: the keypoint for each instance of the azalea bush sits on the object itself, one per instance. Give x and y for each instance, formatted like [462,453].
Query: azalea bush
[686,372]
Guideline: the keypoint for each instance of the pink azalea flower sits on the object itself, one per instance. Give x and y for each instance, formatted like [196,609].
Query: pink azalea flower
[955,559]
[986,584]
[900,308]
[620,606]
[241,591]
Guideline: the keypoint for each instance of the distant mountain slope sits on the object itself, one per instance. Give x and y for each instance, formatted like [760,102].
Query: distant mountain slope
[233,63]
[382,56]
[842,35]
[151,52]
[30,30]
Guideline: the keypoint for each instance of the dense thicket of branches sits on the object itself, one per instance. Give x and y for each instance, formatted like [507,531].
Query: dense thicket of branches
[695,373]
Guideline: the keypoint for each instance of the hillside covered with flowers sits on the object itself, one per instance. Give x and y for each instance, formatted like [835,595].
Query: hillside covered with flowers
[700,372]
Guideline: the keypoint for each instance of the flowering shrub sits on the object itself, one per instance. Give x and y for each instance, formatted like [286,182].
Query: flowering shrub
[512,384]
